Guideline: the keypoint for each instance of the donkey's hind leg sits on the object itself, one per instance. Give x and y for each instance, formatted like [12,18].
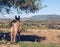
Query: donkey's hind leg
[11,33]
[11,37]
[14,37]
[15,34]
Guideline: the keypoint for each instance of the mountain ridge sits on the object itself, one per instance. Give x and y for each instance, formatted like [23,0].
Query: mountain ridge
[45,17]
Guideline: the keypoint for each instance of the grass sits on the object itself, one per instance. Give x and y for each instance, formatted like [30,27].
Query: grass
[37,44]
[30,44]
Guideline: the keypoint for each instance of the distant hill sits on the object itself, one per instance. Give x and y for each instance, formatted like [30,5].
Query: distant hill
[37,17]
[45,17]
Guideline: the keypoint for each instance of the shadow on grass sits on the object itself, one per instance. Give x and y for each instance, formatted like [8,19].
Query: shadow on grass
[32,38]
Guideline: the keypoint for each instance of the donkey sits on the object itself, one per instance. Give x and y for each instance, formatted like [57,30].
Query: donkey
[15,28]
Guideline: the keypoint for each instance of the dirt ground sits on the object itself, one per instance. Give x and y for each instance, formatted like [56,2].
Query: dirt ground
[51,36]
[12,45]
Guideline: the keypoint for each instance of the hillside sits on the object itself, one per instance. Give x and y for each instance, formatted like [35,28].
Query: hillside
[38,17]
[45,17]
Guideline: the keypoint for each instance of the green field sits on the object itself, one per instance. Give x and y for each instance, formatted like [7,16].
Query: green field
[36,44]
[31,44]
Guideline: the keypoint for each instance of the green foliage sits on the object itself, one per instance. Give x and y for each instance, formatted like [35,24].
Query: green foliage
[24,28]
[25,5]
[4,24]
[32,25]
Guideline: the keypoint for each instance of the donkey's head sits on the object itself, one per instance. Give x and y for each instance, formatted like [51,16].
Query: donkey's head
[17,18]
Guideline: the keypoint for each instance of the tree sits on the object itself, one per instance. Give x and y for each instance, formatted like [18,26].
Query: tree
[23,5]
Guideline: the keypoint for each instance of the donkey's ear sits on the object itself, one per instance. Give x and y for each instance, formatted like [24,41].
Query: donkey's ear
[15,17]
[18,17]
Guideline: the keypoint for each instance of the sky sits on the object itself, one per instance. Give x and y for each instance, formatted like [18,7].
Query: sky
[53,7]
